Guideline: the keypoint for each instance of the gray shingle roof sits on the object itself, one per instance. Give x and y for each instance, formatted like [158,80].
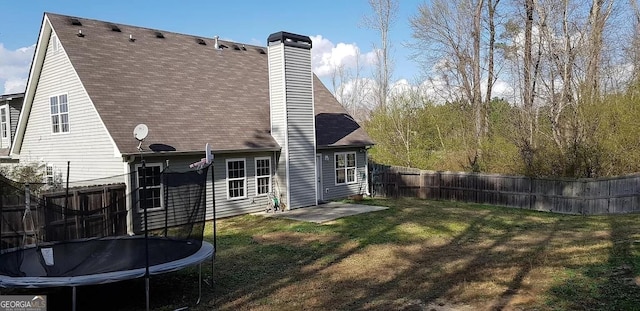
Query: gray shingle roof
[188,94]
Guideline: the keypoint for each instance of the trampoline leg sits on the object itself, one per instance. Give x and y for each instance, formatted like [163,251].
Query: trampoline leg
[73,298]
[199,283]
[146,290]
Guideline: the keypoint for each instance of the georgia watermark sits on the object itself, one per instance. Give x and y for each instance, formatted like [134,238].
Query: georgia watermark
[23,303]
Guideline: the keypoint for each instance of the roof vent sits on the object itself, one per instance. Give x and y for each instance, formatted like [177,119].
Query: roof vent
[200,41]
[216,45]
[131,38]
[115,28]
[75,22]
[236,47]
[80,34]
[159,35]
[261,51]
[243,48]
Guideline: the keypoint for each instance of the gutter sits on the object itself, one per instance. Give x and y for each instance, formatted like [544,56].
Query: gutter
[366,146]
[198,152]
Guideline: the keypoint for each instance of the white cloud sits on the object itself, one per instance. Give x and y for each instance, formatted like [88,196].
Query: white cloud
[504,90]
[14,68]
[358,91]
[326,56]
[14,86]
[400,87]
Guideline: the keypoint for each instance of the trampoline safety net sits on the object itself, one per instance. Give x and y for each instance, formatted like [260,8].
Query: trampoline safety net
[51,235]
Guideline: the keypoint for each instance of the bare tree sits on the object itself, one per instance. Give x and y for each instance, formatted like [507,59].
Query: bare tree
[384,15]
[338,77]
[442,35]
[557,52]
[598,15]
[634,50]
[476,94]
[351,89]
[491,76]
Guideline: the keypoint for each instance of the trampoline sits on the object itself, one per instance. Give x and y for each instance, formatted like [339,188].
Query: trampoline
[98,261]
[48,244]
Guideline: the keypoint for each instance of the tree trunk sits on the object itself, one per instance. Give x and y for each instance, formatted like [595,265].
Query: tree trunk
[491,10]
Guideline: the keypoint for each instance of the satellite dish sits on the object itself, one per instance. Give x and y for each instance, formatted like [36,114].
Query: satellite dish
[208,154]
[140,132]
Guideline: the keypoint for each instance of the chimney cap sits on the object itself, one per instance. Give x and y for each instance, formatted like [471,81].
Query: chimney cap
[290,39]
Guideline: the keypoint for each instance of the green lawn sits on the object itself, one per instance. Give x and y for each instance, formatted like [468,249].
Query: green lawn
[417,255]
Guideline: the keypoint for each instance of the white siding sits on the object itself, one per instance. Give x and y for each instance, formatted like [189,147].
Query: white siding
[300,127]
[233,207]
[14,115]
[277,97]
[224,207]
[332,191]
[88,146]
[293,121]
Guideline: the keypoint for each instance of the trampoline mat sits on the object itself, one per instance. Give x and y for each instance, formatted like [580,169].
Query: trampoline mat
[97,261]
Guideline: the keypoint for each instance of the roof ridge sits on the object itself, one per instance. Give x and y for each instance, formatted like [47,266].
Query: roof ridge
[153,29]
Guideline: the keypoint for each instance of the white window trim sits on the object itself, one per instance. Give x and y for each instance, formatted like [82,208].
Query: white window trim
[49,175]
[140,210]
[244,179]
[61,132]
[262,176]
[7,122]
[335,168]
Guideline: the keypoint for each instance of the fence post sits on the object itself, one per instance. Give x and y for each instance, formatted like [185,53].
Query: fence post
[530,193]
[80,219]
[422,191]
[439,183]
[396,186]
[107,211]
[384,182]
[475,186]
[609,196]
[583,193]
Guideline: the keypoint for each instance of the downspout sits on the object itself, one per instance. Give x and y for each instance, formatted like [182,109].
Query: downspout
[275,177]
[366,169]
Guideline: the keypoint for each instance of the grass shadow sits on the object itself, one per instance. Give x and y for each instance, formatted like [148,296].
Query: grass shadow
[416,255]
[610,284]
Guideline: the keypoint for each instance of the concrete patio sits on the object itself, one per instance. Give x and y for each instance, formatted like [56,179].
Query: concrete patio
[324,212]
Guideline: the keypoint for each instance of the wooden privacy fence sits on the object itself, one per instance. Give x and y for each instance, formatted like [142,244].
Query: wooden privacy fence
[584,196]
[102,211]
[92,212]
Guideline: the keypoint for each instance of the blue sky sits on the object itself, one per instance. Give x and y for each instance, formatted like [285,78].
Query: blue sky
[334,25]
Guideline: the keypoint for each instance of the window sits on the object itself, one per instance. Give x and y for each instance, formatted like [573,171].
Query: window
[345,164]
[49,175]
[59,114]
[153,194]
[263,176]
[4,120]
[236,179]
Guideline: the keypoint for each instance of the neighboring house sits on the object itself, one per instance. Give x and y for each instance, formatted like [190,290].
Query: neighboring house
[10,106]
[272,125]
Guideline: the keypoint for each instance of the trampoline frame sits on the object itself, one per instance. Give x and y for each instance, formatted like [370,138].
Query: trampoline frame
[205,252]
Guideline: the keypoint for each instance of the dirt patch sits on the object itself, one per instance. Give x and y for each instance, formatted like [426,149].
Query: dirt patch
[404,304]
